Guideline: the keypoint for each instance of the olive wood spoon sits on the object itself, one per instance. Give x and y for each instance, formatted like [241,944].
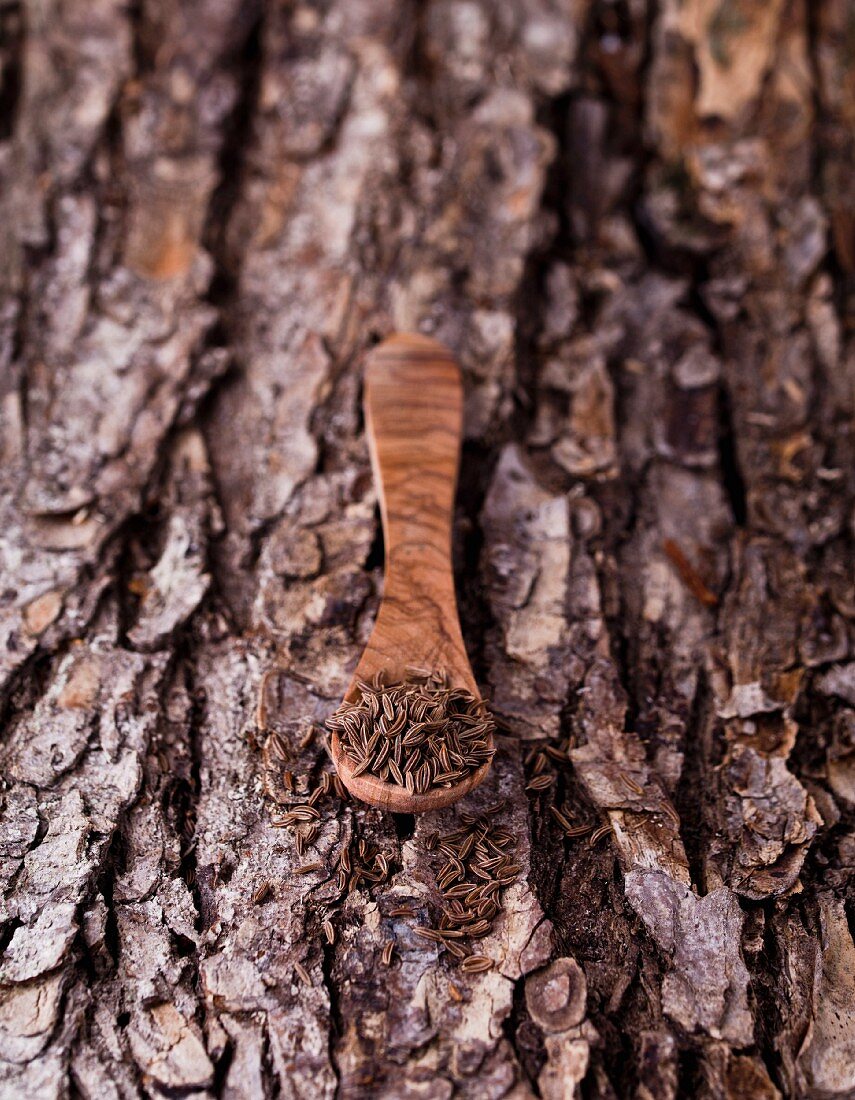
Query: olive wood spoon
[414,420]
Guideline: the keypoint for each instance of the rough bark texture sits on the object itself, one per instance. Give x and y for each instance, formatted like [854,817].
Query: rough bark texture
[633,222]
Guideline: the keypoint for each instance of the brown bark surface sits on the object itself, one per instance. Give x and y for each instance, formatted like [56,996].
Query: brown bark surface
[633,222]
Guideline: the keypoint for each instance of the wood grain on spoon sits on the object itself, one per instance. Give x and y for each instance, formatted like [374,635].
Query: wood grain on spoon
[414,420]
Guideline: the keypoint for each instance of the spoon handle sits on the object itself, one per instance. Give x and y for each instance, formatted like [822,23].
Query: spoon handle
[414,423]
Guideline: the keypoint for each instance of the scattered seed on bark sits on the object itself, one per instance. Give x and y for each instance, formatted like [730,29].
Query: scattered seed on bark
[476,964]
[630,783]
[598,834]
[262,893]
[540,783]
[308,868]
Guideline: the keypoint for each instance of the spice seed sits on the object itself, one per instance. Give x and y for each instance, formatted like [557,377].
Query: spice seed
[421,733]
[561,818]
[558,755]
[540,783]
[630,783]
[264,891]
[668,810]
[476,964]
[428,934]
[308,868]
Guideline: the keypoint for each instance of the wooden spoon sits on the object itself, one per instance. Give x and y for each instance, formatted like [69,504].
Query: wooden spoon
[414,419]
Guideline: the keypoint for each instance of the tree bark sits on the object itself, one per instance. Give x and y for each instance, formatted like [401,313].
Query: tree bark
[633,223]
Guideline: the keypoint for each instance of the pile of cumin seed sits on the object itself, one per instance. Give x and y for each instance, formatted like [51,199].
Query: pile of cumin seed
[418,733]
[479,865]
